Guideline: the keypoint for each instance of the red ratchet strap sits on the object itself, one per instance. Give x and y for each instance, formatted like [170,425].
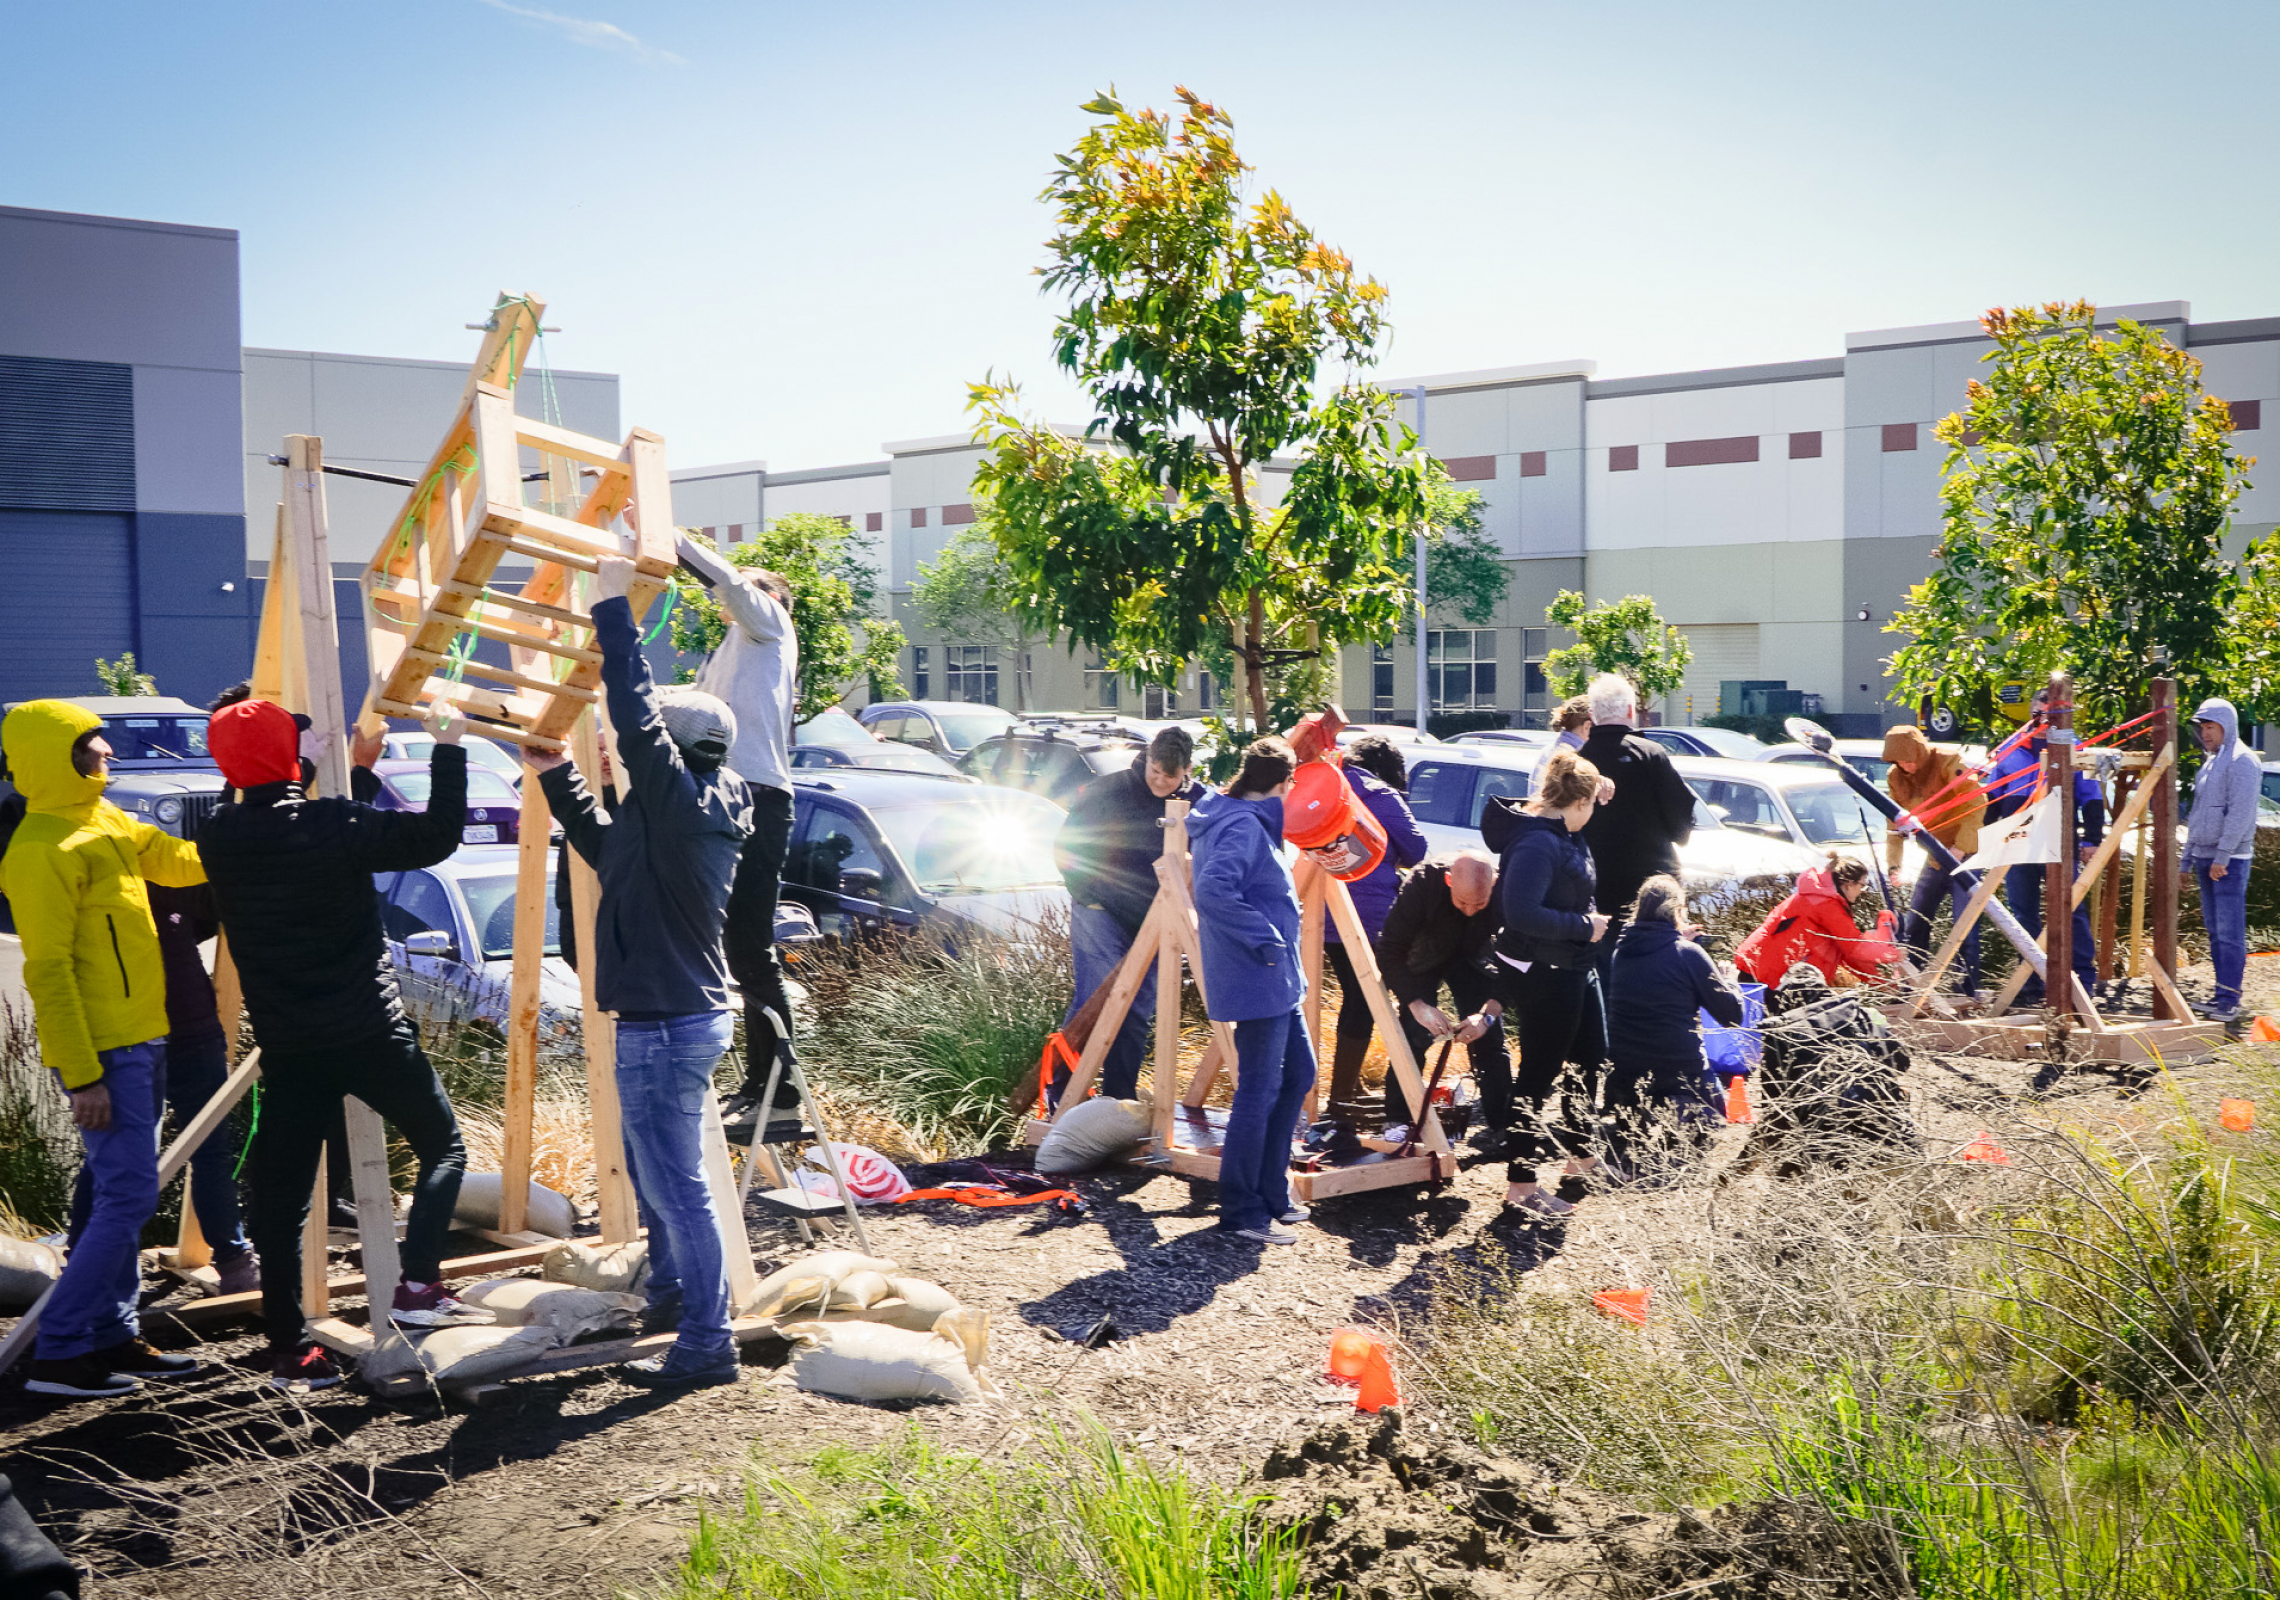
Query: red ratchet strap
[989,1197]
[1055,1045]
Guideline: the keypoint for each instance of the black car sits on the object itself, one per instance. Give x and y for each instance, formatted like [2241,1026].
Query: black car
[1051,761]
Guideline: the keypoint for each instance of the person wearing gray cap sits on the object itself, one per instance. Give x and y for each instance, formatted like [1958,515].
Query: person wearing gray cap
[2220,846]
[666,859]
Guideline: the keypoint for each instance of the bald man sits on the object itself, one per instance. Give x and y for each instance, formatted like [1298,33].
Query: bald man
[1437,937]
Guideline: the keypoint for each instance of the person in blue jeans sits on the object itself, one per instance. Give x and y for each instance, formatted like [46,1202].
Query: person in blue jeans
[2220,843]
[667,860]
[2010,785]
[1247,912]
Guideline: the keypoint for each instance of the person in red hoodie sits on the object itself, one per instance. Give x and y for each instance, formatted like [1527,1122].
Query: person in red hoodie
[1815,925]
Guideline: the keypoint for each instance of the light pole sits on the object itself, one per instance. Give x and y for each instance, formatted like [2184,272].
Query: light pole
[1424,698]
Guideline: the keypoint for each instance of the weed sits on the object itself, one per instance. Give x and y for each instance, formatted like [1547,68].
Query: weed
[39,1153]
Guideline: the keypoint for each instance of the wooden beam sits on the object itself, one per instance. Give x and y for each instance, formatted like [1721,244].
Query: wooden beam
[375,1209]
[619,1217]
[534,845]
[1307,879]
[2168,1005]
[553,440]
[1402,1064]
[2058,877]
[656,541]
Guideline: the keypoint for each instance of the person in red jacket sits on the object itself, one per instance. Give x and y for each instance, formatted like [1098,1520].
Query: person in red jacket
[1815,925]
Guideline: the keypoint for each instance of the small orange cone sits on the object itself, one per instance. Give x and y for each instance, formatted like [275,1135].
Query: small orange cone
[2238,1116]
[2264,1031]
[1350,1350]
[1629,1304]
[1378,1389]
[1738,1101]
[1987,1150]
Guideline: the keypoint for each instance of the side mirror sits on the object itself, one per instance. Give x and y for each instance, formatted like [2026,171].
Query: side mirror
[862,883]
[432,942]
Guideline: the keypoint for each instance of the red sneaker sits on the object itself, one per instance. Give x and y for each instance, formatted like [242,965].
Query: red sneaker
[304,1370]
[431,1305]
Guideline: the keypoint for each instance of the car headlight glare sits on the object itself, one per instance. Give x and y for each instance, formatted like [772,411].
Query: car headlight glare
[168,810]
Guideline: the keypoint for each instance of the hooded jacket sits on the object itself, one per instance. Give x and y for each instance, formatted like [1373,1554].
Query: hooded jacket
[1637,833]
[1815,926]
[74,876]
[2222,824]
[1373,892]
[1657,987]
[1959,806]
[1545,885]
[1247,909]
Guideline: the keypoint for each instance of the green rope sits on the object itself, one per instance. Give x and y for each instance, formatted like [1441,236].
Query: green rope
[253,1126]
[672,598]
[461,461]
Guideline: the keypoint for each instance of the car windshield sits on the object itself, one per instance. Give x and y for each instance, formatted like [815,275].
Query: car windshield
[158,738]
[833,727]
[1830,813]
[491,907]
[1001,840]
[962,730]
[484,787]
[1739,746]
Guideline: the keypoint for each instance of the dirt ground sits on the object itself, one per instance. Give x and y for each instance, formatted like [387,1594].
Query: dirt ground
[583,1485]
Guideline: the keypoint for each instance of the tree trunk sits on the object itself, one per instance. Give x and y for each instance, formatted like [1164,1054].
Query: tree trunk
[1254,668]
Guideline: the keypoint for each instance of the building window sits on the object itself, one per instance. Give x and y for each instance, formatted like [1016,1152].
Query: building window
[1157,702]
[1381,678]
[1460,668]
[1534,463]
[1535,688]
[2247,415]
[969,673]
[1899,436]
[736,533]
[1804,447]
[953,516]
[918,516]
[1710,452]
[874,521]
[1470,469]
[1100,685]
[918,678]
[1206,692]
[1623,458]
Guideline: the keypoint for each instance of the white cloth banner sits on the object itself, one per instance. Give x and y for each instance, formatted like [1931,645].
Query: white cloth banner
[2025,839]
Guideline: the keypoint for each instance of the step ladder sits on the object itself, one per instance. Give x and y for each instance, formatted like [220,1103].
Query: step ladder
[807,1210]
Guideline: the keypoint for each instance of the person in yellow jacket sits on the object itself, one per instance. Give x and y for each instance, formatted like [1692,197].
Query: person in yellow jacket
[1924,777]
[73,874]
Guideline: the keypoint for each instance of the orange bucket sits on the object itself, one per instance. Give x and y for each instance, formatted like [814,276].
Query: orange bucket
[1323,816]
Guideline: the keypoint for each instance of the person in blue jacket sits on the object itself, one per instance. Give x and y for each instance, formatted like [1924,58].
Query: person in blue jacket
[1380,779]
[2010,785]
[1658,1078]
[1247,913]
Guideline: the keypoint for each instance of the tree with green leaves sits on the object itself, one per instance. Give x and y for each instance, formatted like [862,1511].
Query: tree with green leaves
[2088,486]
[1199,321]
[969,595]
[123,677]
[1464,571]
[1627,636]
[835,590]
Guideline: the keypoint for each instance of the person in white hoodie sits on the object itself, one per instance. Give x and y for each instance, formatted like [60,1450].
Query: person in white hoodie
[2220,840]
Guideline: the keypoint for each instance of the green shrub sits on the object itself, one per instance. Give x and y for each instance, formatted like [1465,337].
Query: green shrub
[39,1153]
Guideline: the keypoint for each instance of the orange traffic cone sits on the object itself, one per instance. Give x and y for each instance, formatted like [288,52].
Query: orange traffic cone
[2264,1031]
[2238,1116]
[1378,1389]
[1350,1353]
[1629,1304]
[1738,1100]
[1361,1358]
[1985,1149]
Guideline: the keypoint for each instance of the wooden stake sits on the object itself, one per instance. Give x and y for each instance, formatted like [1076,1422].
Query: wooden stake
[375,1212]
[2058,877]
[532,898]
[2167,1005]
[620,1218]
[316,1292]
[1310,946]
[2140,870]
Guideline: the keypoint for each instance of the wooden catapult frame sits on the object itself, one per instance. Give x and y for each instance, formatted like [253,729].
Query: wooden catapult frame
[1185,1139]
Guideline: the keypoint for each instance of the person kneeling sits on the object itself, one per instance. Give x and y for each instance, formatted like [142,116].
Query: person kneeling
[1658,1079]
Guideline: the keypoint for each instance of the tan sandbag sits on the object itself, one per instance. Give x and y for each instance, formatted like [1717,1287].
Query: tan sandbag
[478,1206]
[872,1361]
[570,1311]
[28,1269]
[590,1264]
[460,1355]
[1092,1132]
[807,1284]
[913,1303]
[858,1289]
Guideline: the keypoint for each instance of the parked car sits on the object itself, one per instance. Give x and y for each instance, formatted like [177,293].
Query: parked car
[1802,803]
[1708,742]
[1532,738]
[451,934]
[160,771]
[494,807]
[1393,731]
[870,849]
[832,738]
[1865,756]
[1450,787]
[1051,760]
[418,744]
[949,728]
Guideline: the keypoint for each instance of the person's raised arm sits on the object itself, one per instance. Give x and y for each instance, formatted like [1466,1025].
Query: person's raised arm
[399,841]
[653,766]
[746,605]
[573,805]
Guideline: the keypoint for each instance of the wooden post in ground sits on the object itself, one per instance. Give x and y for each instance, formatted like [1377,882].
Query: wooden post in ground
[2140,870]
[2058,877]
[2164,863]
[620,1217]
[2109,888]
[532,898]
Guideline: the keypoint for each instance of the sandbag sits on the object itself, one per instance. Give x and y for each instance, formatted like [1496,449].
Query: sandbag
[1097,1130]
[478,1206]
[460,1355]
[912,1303]
[590,1264]
[570,1311]
[872,1361]
[28,1269]
[808,1282]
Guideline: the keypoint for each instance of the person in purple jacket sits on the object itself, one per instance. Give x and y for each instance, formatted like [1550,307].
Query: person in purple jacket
[1247,916]
[1380,779]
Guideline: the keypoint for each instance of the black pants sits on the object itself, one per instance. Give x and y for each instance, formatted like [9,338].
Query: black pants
[1933,884]
[1469,989]
[1563,1025]
[1656,1111]
[750,935]
[300,1098]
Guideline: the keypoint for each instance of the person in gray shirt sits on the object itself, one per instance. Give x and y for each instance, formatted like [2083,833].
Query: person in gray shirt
[2220,843]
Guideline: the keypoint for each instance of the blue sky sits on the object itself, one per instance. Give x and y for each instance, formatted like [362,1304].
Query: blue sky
[798,231]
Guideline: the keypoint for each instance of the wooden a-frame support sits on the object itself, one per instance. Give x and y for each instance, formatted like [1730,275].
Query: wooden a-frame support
[1186,1132]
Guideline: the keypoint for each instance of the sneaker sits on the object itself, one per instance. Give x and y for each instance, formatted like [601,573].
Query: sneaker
[1295,1215]
[431,1305]
[1537,1203]
[303,1371]
[78,1378]
[1268,1233]
[240,1276]
[139,1358]
[663,1372]
[2219,1013]
[662,1316]
[1489,1141]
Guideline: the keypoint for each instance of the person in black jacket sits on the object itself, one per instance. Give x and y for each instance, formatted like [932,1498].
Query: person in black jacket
[667,858]
[1107,852]
[1658,1078]
[1437,936]
[1648,814]
[292,878]
[1549,979]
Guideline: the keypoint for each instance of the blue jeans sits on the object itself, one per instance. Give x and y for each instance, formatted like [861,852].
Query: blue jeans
[1916,928]
[2023,887]
[195,1070]
[1274,1067]
[93,1306]
[2224,912]
[664,1078]
[1098,944]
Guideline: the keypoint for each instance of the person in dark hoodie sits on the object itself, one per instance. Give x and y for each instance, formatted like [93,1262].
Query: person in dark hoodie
[1247,911]
[1107,851]
[292,878]
[1658,1078]
[1550,979]
[1438,936]
[1648,814]
[1380,779]
[667,859]
[2220,846]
